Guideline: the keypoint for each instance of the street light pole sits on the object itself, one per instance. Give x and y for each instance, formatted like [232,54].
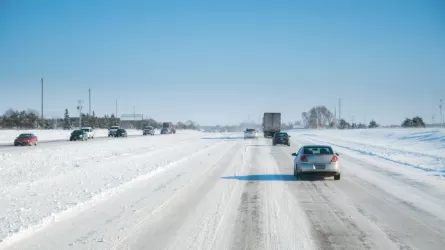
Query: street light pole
[89,101]
[441,114]
[42,99]
[339,108]
[79,107]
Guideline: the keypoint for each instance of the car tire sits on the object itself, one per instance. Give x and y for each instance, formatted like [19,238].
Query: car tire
[337,177]
[35,144]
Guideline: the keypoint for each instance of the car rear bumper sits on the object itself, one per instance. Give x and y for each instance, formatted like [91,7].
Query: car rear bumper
[281,142]
[324,174]
[329,169]
[21,143]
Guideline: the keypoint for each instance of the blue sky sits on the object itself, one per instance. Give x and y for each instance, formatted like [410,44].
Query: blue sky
[220,62]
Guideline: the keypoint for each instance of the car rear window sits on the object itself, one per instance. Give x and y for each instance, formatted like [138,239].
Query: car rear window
[318,150]
[25,135]
[250,130]
[280,134]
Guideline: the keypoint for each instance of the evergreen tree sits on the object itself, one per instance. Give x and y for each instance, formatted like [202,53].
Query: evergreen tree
[373,124]
[66,120]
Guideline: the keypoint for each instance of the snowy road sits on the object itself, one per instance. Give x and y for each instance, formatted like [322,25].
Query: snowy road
[204,191]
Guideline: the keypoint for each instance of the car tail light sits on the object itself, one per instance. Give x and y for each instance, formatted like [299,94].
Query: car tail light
[303,158]
[334,158]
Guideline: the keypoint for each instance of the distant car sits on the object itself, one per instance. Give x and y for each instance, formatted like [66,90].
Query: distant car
[149,130]
[168,128]
[112,130]
[79,135]
[121,133]
[90,132]
[281,138]
[250,133]
[319,160]
[26,139]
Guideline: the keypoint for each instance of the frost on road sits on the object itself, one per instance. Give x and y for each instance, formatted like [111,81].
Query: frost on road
[217,191]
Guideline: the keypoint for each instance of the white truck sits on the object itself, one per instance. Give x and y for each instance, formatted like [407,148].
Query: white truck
[90,132]
[271,124]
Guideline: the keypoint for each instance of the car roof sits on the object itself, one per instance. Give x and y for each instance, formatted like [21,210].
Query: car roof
[316,146]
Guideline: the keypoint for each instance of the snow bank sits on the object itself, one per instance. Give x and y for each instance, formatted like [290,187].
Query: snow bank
[420,149]
[8,136]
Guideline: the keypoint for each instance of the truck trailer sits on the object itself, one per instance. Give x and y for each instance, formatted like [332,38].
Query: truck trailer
[271,124]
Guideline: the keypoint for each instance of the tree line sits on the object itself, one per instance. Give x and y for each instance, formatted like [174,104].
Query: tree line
[322,117]
[30,119]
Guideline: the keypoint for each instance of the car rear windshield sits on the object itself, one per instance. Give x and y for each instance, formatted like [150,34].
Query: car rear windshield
[280,134]
[78,132]
[250,130]
[25,135]
[318,150]
[165,125]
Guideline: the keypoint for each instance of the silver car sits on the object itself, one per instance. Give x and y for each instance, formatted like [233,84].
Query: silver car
[318,160]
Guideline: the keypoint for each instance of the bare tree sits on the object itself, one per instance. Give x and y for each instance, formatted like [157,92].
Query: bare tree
[317,117]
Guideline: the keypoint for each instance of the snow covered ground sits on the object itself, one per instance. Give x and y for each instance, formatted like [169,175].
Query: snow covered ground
[7,136]
[196,190]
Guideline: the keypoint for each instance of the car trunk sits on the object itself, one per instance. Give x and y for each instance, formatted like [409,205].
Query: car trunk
[319,159]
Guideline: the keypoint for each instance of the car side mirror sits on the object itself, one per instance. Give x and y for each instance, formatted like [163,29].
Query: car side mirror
[337,154]
[294,154]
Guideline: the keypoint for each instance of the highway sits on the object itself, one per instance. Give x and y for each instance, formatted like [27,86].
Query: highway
[217,192]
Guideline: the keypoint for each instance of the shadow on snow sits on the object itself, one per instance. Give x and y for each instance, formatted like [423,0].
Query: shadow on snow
[272,177]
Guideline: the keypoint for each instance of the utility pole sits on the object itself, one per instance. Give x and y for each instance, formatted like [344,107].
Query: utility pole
[115,114]
[79,107]
[339,108]
[335,114]
[441,114]
[42,99]
[89,101]
[134,116]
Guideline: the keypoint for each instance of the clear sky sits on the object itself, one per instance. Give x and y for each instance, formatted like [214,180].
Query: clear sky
[221,62]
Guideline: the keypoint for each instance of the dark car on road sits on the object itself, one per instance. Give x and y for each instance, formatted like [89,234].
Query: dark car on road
[79,135]
[26,139]
[148,130]
[281,138]
[112,131]
[120,133]
[168,128]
